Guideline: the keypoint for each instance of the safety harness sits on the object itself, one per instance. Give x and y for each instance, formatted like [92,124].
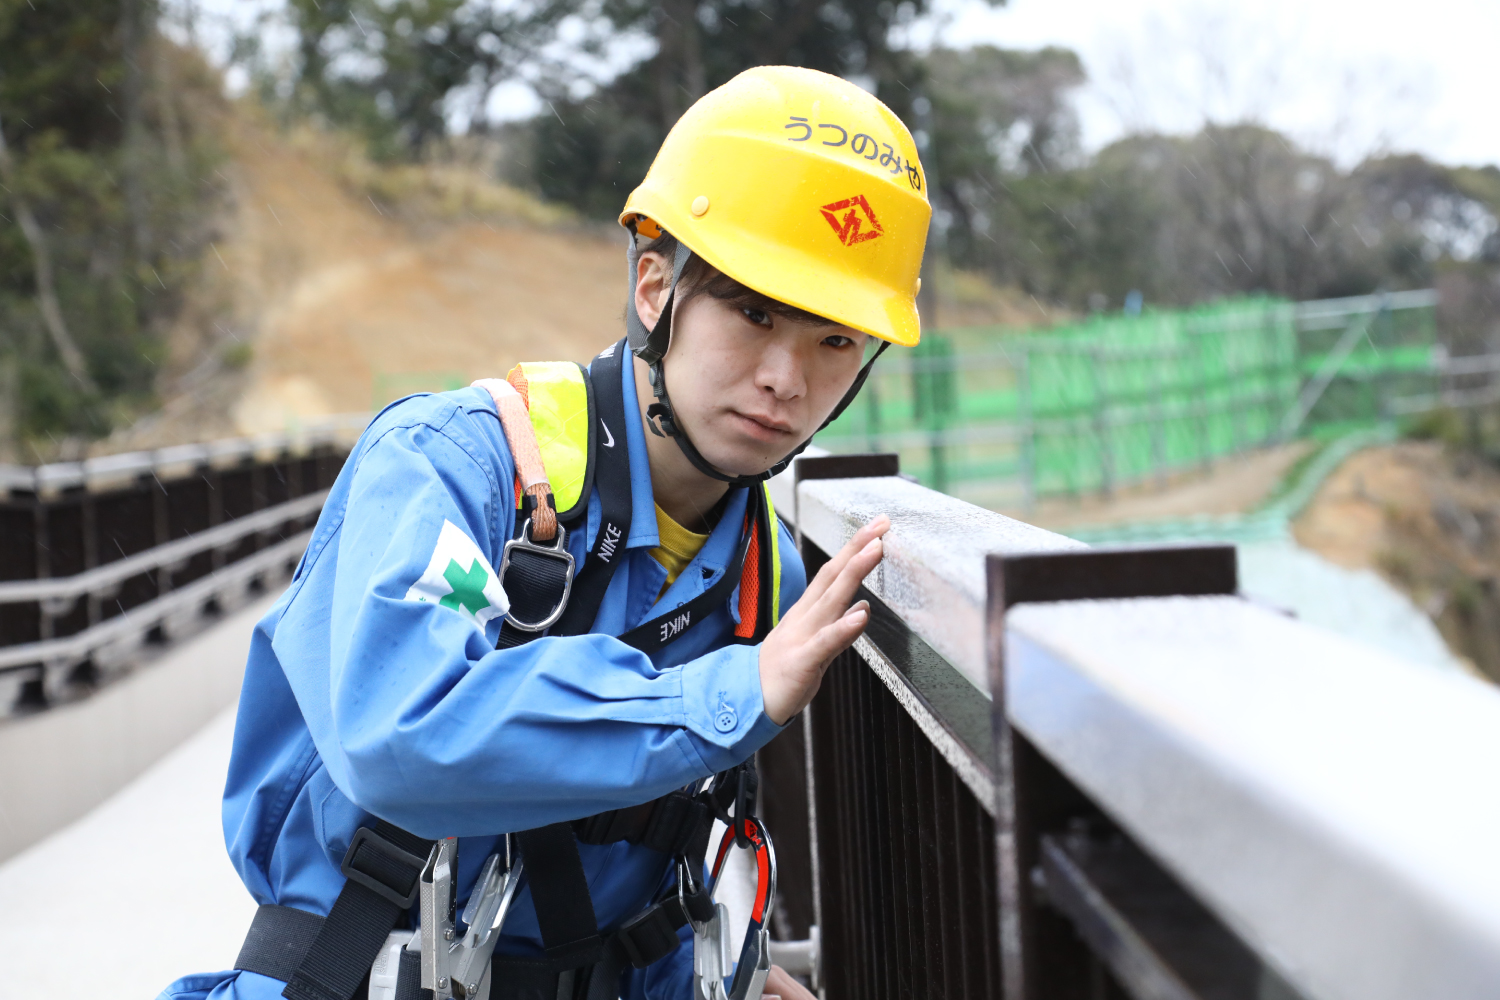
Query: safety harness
[553,415]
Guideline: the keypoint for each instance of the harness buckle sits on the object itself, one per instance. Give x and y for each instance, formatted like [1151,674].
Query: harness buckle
[523,550]
[365,837]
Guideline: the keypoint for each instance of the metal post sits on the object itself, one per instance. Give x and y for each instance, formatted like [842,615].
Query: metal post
[1205,441]
[1028,433]
[1271,372]
[1158,431]
[1233,391]
[1028,803]
[1102,436]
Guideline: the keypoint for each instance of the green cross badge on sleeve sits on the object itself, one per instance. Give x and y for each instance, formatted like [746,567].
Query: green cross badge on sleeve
[460,578]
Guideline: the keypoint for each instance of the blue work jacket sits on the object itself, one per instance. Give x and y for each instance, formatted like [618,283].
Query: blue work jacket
[364,698]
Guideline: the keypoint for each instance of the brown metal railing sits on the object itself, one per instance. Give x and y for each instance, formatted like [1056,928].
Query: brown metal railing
[86,549]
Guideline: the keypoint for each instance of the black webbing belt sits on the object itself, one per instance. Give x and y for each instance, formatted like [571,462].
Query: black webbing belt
[279,937]
[612,480]
[667,824]
[382,868]
[560,892]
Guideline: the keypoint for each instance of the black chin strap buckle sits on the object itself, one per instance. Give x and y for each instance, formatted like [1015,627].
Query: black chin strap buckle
[661,413]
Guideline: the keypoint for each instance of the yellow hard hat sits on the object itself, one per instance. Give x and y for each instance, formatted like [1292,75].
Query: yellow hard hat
[803,187]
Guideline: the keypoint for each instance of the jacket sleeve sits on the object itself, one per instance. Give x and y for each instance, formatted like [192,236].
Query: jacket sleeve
[419,719]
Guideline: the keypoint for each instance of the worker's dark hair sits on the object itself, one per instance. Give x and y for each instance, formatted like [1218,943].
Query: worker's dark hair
[702,278]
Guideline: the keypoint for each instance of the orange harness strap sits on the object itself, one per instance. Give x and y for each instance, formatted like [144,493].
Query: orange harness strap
[530,473]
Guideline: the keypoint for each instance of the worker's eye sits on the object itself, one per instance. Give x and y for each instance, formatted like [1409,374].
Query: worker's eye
[757,316]
[838,340]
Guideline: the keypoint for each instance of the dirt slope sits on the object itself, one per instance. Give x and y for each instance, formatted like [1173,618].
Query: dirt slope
[1427,518]
[1231,486]
[334,288]
[358,307]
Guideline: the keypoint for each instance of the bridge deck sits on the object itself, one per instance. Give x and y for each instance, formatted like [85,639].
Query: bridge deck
[135,893]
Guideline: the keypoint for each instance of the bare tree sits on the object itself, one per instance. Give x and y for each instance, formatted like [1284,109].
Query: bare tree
[46,290]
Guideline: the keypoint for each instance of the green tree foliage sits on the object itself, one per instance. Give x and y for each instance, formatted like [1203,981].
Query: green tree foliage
[395,70]
[1235,208]
[110,150]
[401,70]
[987,118]
[1232,209]
[591,151]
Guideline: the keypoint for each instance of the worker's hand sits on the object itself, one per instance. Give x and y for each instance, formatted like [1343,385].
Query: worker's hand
[781,986]
[820,626]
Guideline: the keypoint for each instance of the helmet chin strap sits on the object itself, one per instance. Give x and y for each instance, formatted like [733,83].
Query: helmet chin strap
[651,347]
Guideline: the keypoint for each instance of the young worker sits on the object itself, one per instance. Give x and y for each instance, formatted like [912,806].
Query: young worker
[650,626]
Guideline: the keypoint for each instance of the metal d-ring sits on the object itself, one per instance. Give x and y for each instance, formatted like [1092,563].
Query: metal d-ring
[557,550]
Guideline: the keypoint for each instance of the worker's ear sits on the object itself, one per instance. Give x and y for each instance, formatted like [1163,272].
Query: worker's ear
[653,282]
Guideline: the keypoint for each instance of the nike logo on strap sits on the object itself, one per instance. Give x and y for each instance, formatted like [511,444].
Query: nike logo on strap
[610,442]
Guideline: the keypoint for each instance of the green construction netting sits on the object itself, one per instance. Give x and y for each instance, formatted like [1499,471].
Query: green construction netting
[1001,417]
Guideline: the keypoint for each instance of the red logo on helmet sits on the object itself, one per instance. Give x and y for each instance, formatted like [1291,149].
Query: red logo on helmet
[853,219]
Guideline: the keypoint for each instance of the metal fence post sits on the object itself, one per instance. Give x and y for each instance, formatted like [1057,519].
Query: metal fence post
[1028,433]
[1103,437]
[788,803]
[1158,431]
[1034,951]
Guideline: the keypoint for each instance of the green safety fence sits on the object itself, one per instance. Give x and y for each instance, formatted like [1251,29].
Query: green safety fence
[1001,417]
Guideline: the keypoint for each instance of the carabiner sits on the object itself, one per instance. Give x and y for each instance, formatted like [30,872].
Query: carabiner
[454,967]
[711,963]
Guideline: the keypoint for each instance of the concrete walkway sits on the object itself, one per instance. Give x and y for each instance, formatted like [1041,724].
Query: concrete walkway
[58,765]
[134,894]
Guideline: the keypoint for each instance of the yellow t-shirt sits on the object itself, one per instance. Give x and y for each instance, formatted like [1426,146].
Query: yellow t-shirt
[677,549]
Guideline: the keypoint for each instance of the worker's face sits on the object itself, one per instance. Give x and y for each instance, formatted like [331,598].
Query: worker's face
[748,386]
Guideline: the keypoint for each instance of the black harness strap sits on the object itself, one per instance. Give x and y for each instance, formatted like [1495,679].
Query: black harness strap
[409,977]
[612,478]
[667,824]
[651,935]
[534,584]
[560,892]
[382,868]
[279,937]
[652,635]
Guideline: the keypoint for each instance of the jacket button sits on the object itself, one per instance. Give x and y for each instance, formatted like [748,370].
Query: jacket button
[726,720]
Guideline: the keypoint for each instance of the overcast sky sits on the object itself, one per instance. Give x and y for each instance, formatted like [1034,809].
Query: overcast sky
[1347,77]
